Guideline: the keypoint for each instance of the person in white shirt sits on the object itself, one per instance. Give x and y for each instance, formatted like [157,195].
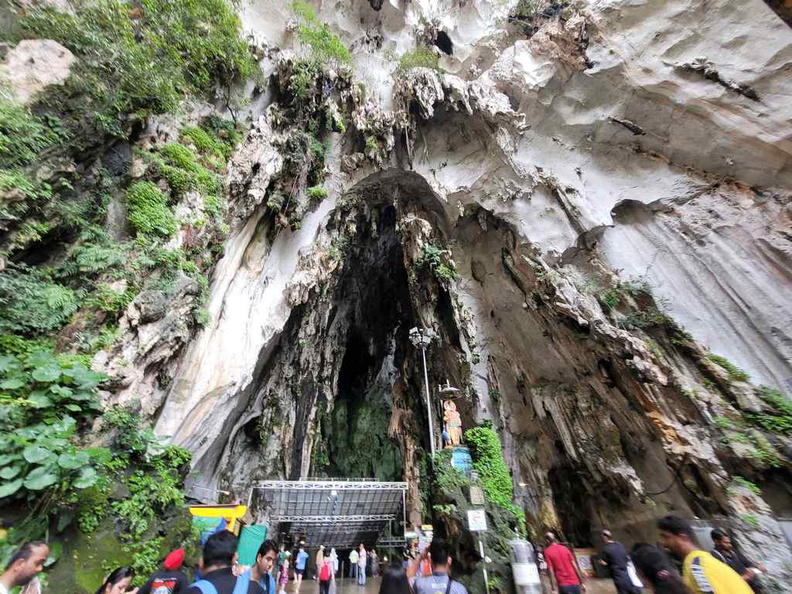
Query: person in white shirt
[24,566]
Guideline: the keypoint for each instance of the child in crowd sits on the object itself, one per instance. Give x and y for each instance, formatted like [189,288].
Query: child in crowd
[283,578]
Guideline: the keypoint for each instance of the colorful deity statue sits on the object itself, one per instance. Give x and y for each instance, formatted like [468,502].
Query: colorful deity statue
[452,424]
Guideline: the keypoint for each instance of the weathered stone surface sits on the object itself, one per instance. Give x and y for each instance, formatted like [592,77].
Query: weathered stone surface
[33,65]
[554,207]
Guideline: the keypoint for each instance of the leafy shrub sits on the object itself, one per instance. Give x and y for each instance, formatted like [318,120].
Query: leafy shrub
[777,421]
[96,253]
[420,57]
[526,8]
[155,484]
[325,46]
[148,210]
[434,259]
[181,167]
[43,456]
[302,82]
[610,299]
[31,302]
[744,482]
[26,192]
[734,372]
[140,59]
[317,193]
[22,135]
[42,387]
[493,473]
[206,143]
[40,396]
[109,300]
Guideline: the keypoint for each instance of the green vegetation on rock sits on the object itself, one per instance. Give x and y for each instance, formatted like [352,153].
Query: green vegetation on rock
[325,46]
[735,373]
[22,135]
[65,160]
[420,57]
[439,262]
[779,418]
[494,475]
[149,212]
[139,59]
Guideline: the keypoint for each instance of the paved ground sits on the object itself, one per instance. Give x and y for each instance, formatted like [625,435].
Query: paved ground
[347,586]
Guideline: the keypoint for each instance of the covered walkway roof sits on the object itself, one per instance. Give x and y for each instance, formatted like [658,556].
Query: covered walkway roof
[335,513]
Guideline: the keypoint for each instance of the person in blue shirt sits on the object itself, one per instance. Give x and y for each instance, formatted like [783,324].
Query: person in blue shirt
[299,567]
[260,571]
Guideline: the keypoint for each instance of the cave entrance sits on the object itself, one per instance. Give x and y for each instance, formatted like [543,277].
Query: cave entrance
[374,303]
[571,501]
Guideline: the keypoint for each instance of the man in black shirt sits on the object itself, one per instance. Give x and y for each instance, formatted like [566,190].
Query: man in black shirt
[218,556]
[170,580]
[725,551]
[615,557]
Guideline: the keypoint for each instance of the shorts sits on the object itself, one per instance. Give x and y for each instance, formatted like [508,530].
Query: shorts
[299,571]
[569,589]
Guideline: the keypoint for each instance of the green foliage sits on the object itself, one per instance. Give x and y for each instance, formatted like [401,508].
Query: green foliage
[439,262]
[202,317]
[372,144]
[31,302]
[420,57]
[42,457]
[493,473]
[744,482]
[22,135]
[155,483]
[764,451]
[94,254]
[751,520]
[325,46]
[775,398]
[735,373]
[726,423]
[205,143]
[610,298]
[110,300]
[19,193]
[525,9]
[140,59]
[338,247]
[40,387]
[149,212]
[185,170]
[40,396]
[317,193]
[303,81]
[645,318]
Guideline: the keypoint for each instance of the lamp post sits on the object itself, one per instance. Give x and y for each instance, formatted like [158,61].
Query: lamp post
[422,338]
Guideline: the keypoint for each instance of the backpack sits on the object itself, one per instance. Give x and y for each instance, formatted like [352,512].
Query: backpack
[241,587]
[324,573]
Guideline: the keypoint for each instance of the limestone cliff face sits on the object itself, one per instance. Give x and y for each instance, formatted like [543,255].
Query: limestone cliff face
[586,204]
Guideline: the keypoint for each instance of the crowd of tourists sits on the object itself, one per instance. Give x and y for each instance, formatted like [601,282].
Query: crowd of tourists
[723,571]
[689,570]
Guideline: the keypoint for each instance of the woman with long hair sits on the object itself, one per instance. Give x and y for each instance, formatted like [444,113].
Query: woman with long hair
[656,570]
[118,582]
[394,581]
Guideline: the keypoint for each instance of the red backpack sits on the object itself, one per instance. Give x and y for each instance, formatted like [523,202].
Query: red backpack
[325,572]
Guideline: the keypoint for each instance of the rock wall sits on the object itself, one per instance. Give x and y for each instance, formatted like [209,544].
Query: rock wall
[607,189]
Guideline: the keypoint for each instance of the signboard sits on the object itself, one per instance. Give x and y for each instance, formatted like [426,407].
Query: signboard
[583,557]
[477,520]
[476,495]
